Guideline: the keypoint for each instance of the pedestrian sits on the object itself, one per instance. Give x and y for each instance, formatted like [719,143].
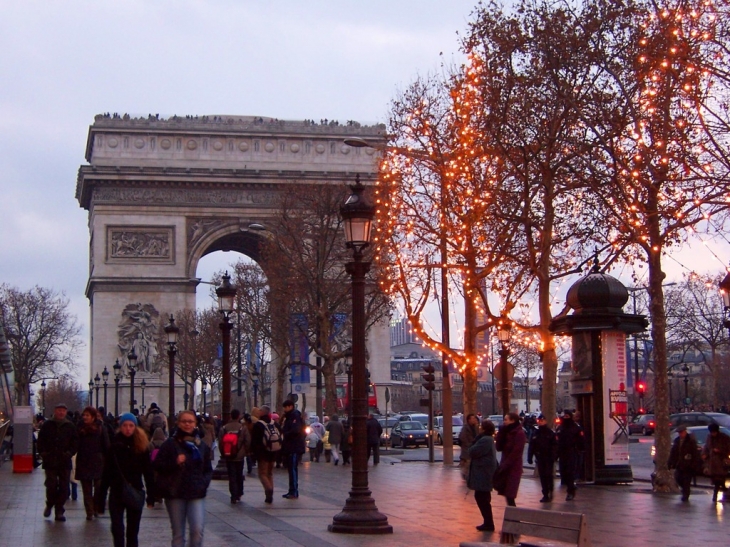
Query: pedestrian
[264,450]
[293,446]
[248,420]
[207,429]
[334,427]
[571,443]
[93,446]
[234,442]
[716,455]
[156,419]
[57,443]
[511,443]
[315,424]
[467,436]
[184,470]
[127,462]
[684,459]
[312,442]
[543,448]
[373,431]
[482,465]
[346,444]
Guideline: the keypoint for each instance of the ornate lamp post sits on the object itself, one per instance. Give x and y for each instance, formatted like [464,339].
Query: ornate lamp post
[539,386]
[226,296]
[685,376]
[117,377]
[132,358]
[172,331]
[504,328]
[43,397]
[360,515]
[670,378]
[202,390]
[97,385]
[348,369]
[91,392]
[143,385]
[255,375]
[105,375]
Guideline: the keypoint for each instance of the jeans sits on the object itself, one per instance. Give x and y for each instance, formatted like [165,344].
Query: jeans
[57,488]
[191,510]
[292,464]
[90,489]
[266,474]
[235,479]
[336,452]
[374,449]
[116,512]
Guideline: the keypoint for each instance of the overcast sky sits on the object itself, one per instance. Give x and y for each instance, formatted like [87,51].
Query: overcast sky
[63,62]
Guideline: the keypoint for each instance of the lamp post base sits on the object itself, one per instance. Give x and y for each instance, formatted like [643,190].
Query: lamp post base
[220,472]
[360,516]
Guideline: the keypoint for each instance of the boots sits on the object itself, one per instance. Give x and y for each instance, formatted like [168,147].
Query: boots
[269,496]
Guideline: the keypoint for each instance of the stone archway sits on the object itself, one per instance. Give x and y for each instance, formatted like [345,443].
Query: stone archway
[162,193]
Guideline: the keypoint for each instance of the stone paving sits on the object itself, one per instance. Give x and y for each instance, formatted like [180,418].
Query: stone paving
[427,504]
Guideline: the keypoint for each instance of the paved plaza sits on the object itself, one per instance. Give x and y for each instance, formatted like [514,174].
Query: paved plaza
[427,505]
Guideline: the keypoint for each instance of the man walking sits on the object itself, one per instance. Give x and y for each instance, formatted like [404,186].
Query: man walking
[293,446]
[336,431]
[570,445]
[543,447]
[263,451]
[57,443]
[684,458]
[234,442]
[374,430]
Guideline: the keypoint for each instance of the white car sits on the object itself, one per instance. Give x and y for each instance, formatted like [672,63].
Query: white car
[456,425]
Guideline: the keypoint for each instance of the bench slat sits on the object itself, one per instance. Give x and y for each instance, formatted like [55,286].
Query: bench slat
[536,530]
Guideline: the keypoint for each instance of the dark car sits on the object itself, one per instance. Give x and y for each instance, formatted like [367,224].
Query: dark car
[387,425]
[691,419]
[409,433]
[642,425]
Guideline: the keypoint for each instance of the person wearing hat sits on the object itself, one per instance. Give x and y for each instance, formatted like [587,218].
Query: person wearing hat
[571,442]
[58,441]
[543,448]
[684,458]
[127,462]
[716,455]
[293,445]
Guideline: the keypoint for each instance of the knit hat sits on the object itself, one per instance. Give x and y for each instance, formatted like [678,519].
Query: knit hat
[127,417]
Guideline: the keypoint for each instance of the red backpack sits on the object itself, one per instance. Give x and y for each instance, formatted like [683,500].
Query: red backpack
[229,444]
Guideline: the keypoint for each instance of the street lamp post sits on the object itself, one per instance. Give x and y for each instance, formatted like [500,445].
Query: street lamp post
[43,398]
[725,292]
[539,386]
[132,358]
[142,386]
[97,385]
[105,375]
[226,296]
[685,376]
[359,515]
[202,390]
[504,328]
[255,375]
[348,370]
[117,377]
[91,392]
[172,331]
[670,377]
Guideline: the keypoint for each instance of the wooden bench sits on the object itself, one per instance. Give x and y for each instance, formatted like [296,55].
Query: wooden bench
[555,526]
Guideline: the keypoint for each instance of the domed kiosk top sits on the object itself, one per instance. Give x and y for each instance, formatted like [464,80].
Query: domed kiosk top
[597,292]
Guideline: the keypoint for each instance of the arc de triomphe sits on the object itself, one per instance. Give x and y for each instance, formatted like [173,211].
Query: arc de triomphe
[163,193]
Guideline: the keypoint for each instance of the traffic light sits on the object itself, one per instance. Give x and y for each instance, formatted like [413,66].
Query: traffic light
[641,388]
[429,378]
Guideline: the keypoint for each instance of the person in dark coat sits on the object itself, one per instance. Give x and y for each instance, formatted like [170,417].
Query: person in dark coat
[57,443]
[467,436]
[93,445]
[128,461]
[483,463]
[293,446]
[264,457]
[336,431]
[511,441]
[571,443]
[184,469]
[346,444]
[374,431]
[684,458]
[715,453]
[234,462]
[543,448]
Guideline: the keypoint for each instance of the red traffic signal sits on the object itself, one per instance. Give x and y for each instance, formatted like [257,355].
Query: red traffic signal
[429,378]
[641,388]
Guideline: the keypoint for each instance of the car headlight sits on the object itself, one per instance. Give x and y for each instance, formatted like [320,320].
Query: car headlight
[653,451]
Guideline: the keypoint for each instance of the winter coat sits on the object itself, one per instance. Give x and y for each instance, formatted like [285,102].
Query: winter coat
[244,440]
[258,441]
[58,441]
[123,461]
[543,445]
[467,436]
[716,454]
[334,426]
[684,455]
[188,481]
[208,434]
[571,439]
[292,428]
[93,445]
[483,456]
[345,445]
[374,431]
[511,441]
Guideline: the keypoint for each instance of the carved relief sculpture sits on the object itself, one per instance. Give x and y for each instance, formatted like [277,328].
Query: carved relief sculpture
[138,331]
[140,244]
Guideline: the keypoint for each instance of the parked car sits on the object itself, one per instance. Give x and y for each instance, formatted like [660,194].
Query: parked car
[387,425]
[408,433]
[497,420]
[691,419]
[456,425]
[642,425]
[415,417]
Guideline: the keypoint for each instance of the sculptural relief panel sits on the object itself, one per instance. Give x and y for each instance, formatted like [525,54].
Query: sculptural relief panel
[138,331]
[140,244]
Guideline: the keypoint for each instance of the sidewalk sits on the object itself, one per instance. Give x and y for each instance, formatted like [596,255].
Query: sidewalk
[426,504]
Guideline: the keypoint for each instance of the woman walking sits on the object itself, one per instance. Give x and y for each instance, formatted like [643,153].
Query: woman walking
[93,445]
[483,457]
[184,471]
[716,454]
[511,440]
[127,462]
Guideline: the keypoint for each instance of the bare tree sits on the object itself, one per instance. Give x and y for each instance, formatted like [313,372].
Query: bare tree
[42,334]
[63,390]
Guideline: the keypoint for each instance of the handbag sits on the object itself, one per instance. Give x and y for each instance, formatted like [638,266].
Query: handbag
[499,482]
[131,497]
